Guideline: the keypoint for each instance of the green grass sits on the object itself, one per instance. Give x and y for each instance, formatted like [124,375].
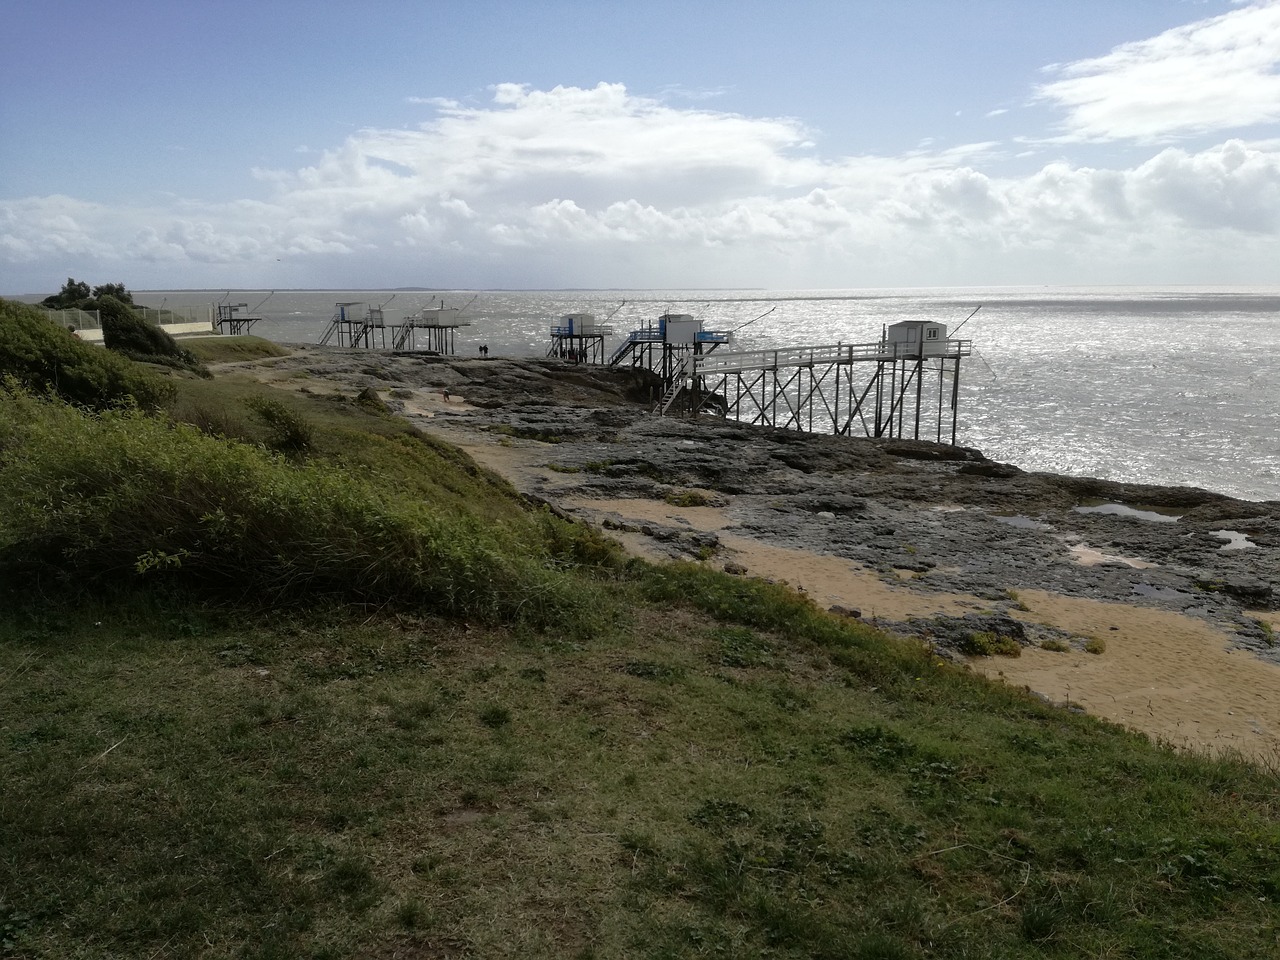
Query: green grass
[328,785]
[1268,632]
[666,762]
[231,349]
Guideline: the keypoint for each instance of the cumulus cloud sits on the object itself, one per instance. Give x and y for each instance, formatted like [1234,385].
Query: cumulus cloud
[598,187]
[1212,75]
[49,226]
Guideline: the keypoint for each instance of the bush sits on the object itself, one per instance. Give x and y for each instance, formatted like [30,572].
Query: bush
[126,332]
[986,644]
[290,432]
[43,357]
[131,336]
[118,498]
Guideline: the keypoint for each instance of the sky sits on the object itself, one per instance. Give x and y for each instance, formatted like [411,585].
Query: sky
[649,144]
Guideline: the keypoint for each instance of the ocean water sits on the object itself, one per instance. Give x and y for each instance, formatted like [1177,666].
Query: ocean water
[1154,385]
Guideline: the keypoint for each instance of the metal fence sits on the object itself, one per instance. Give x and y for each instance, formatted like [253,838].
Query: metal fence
[92,319]
[160,317]
[74,318]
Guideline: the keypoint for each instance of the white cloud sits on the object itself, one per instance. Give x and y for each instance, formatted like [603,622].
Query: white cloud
[1229,187]
[1212,75]
[44,227]
[596,187]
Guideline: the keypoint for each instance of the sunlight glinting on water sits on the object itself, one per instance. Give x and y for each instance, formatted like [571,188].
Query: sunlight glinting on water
[1156,386]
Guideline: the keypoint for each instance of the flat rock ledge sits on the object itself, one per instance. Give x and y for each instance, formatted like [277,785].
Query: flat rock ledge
[931,518]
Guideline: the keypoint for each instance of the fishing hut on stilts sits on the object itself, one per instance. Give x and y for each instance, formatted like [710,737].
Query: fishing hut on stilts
[579,338]
[356,324]
[226,320]
[431,330]
[904,386]
[359,324]
[669,347]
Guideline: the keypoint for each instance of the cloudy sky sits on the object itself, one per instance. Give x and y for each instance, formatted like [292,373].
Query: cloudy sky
[566,143]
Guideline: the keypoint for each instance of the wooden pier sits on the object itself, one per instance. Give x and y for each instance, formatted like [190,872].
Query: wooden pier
[437,327]
[579,338]
[227,320]
[664,347]
[357,324]
[906,386]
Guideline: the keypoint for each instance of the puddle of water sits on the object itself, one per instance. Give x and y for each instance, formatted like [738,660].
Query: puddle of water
[1022,522]
[1235,540]
[1154,514]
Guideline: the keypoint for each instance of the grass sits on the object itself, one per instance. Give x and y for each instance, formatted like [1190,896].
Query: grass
[1268,632]
[327,785]
[232,349]
[702,766]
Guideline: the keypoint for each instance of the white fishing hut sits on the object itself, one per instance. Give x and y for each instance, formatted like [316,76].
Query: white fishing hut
[679,328]
[579,338]
[915,338]
[439,326]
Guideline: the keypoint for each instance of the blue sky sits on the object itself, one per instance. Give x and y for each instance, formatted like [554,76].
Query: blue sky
[641,144]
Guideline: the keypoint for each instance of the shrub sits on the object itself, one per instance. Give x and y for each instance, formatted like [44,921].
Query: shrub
[986,644]
[1057,646]
[217,420]
[1095,645]
[118,498]
[290,432]
[42,356]
[131,336]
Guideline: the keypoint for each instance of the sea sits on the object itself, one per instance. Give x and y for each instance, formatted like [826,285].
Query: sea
[1168,385]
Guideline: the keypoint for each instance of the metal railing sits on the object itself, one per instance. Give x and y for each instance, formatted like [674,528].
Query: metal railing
[719,362]
[583,330]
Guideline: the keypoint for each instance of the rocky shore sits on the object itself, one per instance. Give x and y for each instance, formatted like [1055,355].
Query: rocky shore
[929,540]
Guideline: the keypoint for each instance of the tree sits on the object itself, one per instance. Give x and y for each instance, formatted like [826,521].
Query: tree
[116,290]
[71,294]
[76,293]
